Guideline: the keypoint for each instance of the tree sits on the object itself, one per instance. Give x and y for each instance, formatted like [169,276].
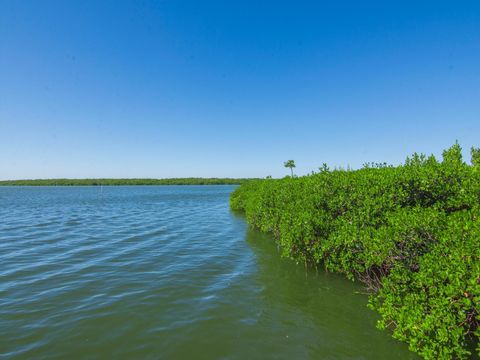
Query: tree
[453,155]
[289,164]
[475,152]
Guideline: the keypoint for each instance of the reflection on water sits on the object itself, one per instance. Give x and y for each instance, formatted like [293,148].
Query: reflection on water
[320,315]
[165,272]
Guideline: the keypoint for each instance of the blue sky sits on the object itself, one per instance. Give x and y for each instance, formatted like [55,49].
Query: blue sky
[232,88]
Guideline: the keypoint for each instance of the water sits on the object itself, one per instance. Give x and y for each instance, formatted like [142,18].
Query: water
[165,272]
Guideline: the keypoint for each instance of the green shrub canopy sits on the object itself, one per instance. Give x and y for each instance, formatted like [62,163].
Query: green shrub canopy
[411,233]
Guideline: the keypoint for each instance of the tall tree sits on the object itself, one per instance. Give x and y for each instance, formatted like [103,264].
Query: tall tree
[289,164]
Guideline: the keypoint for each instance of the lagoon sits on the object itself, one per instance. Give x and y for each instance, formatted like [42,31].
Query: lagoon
[165,272]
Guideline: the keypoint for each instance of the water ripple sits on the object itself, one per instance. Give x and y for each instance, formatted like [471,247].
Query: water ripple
[159,272]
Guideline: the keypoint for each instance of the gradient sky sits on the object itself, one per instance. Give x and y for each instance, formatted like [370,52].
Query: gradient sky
[232,88]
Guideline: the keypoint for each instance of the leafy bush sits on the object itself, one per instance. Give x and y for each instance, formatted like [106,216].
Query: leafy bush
[411,233]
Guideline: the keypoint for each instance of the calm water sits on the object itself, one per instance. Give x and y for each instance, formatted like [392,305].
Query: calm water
[164,272]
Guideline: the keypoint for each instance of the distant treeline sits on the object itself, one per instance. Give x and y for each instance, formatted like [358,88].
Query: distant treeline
[118,182]
[411,233]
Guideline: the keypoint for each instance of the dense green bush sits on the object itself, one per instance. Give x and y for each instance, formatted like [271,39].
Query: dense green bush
[411,233]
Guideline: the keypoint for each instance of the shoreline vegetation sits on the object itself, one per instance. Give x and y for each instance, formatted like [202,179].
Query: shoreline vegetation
[410,233]
[120,182]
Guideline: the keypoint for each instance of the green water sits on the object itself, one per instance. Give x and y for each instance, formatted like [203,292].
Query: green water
[165,272]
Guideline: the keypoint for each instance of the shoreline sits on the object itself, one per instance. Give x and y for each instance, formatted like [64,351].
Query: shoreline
[409,233]
[125,182]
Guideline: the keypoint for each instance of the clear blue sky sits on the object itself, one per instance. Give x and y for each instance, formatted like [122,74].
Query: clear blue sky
[232,88]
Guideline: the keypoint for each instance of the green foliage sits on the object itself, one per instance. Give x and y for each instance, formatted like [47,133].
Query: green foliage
[290,164]
[475,152]
[115,182]
[435,307]
[453,155]
[411,233]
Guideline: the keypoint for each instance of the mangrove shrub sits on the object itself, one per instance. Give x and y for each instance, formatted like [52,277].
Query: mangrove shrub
[410,233]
